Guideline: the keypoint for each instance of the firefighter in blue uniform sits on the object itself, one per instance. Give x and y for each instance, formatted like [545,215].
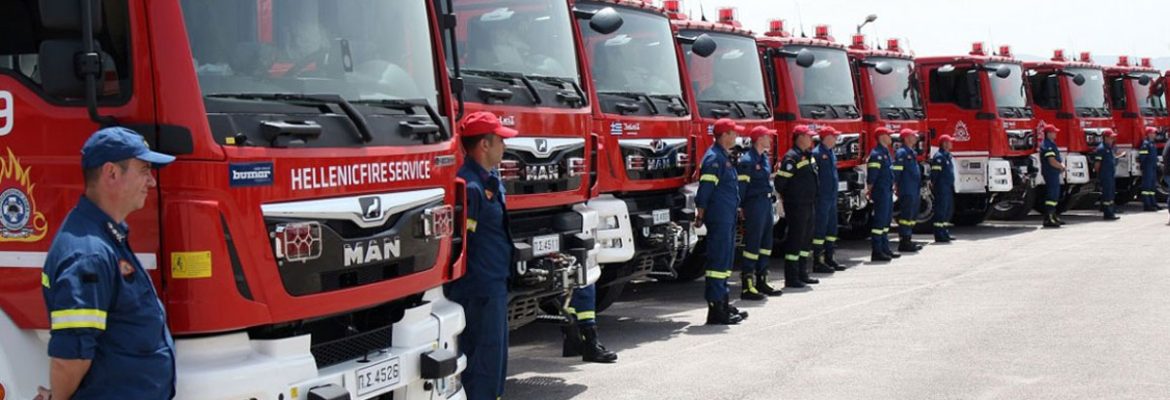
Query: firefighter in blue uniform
[825,220]
[483,290]
[908,177]
[942,186]
[755,190]
[880,179]
[796,181]
[1105,163]
[580,333]
[1148,158]
[1051,168]
[717,203]
[108,337]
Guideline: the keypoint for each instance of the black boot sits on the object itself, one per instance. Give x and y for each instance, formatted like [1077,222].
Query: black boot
[749,291]
[907,245]
[718,314]
[1111,214]
[886,247]
[829,250]
[591,348]
[879,256]
[730,308]
[571,335]
[792,275]
[819,265]
[763,287]
[1050,221]
[805,267]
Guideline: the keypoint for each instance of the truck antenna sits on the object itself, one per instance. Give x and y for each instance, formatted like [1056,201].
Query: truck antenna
[702,12]
[800,20]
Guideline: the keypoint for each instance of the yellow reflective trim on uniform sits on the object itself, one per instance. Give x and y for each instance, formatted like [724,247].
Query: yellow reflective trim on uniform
[1144,152]
[802,164]
[791,257]
[751,256]
[875,231]
[77,319]
[1050,203]
[1050,154]
[874,165]
[44,280]
[471,224]
[585,315]
[750,286]
[830,238]
[898,168]
[709,178]
[940,225]
[805,254]
[78,325]
[92,312]
[765,252]
[745,178]
[886,230]
[936,168]
[785,174]
[718,274]
[818,242]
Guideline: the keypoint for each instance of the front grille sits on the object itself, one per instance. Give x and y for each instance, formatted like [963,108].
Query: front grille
[526,224]
[654,201]
[353,347]
[557,161]
[1021,139]
[848,147]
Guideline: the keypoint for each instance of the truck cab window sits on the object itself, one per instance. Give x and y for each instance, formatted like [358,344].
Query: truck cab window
[955,87]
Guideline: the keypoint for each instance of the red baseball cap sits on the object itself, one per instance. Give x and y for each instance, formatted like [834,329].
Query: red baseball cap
[482,123]
[945,138]
[800,130]
[761,130]
[907,132]
[881,130]
[1150,129]
[1049,128]
[828,131]
[724,125]
[1108,133]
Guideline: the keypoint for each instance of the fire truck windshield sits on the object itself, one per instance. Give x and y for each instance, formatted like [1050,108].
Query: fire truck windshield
[361,50]
[828,82]
[896,89]
[736,62]
[1145,100]
[1090,94]
[639,57]
[1010,91]
[526,37]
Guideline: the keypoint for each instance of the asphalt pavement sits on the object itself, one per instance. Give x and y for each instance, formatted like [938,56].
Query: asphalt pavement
[1007,311]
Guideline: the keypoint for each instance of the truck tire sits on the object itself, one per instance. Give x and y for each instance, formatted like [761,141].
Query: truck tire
[1127,190]
[925,212]
[607,295]
[1012,208]
[693,265]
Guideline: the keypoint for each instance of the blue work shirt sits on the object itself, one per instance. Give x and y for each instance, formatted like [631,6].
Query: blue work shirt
[906,171]
[489,242]
[1148,156]
[718,189]
[1048,150]
[103,307]
[1104,155]
[755,175]
[942,172]
[826,174]
[880,174]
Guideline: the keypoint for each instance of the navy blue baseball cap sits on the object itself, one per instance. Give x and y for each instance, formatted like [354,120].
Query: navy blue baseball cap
[115,144]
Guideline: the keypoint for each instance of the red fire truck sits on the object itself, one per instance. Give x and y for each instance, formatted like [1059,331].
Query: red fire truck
[888,91]
[728,83]
[312,214]
[641,122]
[810,83]
[1136,96]
[981,100]
[519,60]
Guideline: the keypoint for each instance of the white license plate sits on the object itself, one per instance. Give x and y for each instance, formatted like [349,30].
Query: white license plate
[661,217]
[542,245]
[378,376]
[842,186]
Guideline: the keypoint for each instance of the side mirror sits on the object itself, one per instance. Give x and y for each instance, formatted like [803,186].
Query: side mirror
[883,68]
[59,75]
[704,46]
[1144,80]
[1079,79]
[946,69]
[606,21]
[805,58]
[1003,72]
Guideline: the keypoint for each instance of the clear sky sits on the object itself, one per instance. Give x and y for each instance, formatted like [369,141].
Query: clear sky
[1139,28]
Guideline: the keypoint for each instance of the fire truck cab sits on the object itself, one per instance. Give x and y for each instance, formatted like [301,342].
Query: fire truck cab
[982,101]
[1137,100]
[312,215]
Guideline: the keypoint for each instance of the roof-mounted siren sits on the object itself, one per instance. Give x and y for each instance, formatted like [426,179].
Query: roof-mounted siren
[1058,55]
[1146,62]
[858,42]
[673,9]
[727,16]
[1005,51]
[1086,57]
[823,33]
[1122,61]
[776,28]
[894,45]
[977,49]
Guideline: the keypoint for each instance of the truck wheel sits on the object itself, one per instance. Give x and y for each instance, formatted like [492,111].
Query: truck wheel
[925,212]
[693,265]
[607,295]
[1012,206]
[1127,190]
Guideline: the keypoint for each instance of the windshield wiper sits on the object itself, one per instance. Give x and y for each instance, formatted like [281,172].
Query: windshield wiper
[574,98]
[677,106]
[509,78]
[359,121]
[423,128]
[641,97]
[726,103]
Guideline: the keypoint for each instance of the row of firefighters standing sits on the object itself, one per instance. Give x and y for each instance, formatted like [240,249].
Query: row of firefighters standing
[729,192]
[806,180]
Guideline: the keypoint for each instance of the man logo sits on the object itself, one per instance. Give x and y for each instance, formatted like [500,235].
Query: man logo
[371,208]
[542,146]
[657,145]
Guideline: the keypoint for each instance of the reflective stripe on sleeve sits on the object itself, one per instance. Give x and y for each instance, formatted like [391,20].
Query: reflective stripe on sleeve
[709,178]
[78,318]
[718,274]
